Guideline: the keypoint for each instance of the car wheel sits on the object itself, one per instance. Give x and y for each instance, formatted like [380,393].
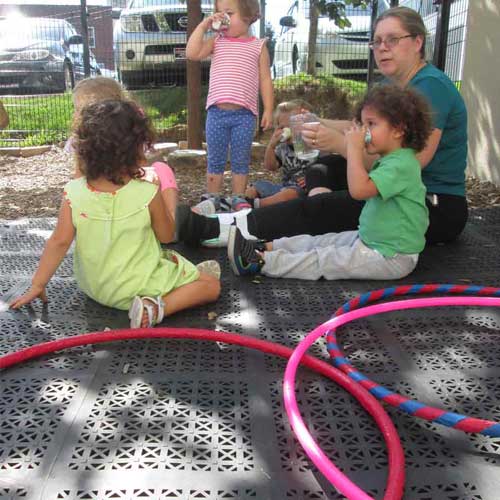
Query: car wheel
[296,63]
[69,79]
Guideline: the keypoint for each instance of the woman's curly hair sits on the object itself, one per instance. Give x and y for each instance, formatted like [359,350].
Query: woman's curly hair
[405,109]
[110,139]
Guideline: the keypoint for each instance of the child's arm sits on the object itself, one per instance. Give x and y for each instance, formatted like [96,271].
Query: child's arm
[271,163]
[4,117]
[266,88]
[53,254]
[361,187]
[197,48]
[161,221]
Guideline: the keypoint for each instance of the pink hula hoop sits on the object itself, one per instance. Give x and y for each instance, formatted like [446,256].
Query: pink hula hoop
[311,447]
[395,477]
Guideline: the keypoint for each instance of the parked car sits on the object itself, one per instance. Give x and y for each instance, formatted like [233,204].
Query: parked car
[41,54]
[457,28]
[339,52]
[149,42]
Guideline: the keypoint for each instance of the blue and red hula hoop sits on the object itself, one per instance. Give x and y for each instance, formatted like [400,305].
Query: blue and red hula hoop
[412,407]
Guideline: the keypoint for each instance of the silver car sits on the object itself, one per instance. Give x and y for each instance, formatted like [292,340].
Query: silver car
[149,42]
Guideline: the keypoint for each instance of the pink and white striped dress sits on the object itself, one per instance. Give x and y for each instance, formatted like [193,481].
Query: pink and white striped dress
[234,72]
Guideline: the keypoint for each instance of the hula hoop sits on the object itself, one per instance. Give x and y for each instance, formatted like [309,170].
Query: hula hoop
[395,476]
[310,446]
[412,407]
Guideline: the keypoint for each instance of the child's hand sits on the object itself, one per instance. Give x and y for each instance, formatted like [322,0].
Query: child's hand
[36,291]
[267,120]
[209,21]
[276,137]
[355,136]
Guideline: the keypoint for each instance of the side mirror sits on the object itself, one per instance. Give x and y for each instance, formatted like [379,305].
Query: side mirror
[75,40]
[115,13]
[288,22]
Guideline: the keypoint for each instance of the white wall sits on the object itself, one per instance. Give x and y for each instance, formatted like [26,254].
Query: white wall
[481,88]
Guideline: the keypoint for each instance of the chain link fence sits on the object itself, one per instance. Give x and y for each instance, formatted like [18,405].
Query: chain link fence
[142,44]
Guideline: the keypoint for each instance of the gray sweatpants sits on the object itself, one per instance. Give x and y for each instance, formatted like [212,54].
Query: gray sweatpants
[333,256]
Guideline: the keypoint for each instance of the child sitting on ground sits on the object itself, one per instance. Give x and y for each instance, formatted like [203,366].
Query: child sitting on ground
[119,221]
[100,88]
[280,153]
[394,219]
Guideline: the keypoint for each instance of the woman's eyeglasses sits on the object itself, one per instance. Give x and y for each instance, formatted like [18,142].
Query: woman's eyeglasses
[389,42]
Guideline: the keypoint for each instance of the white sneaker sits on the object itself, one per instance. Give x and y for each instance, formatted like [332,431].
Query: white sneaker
[205,207]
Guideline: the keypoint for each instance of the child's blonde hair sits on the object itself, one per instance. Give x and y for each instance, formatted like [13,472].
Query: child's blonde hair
[290,106]
[249,9]
[99,88]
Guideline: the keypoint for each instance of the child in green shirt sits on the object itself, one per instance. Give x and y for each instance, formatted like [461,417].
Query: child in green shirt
[393,123]
[118,221]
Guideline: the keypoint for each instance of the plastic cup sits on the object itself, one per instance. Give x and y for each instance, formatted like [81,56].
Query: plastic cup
[302,150]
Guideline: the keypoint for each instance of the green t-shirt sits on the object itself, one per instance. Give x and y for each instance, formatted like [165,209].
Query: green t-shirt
[395,220]
[446,171]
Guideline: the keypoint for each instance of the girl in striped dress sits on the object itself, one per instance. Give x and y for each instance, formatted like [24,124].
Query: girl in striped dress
[239,68]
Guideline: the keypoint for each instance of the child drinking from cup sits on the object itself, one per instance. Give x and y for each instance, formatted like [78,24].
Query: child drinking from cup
[239,67]
[280,153]
[394,218]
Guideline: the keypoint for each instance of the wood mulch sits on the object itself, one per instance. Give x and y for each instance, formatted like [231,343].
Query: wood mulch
[31,187]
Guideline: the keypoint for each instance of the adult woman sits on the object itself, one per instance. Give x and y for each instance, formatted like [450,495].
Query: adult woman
[399,50]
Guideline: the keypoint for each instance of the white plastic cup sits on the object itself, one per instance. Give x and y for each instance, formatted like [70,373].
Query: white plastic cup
[301,149]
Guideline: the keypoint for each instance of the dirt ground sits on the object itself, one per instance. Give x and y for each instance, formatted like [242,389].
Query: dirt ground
[31,187]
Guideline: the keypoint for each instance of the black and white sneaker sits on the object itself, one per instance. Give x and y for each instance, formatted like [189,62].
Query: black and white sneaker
[243,254]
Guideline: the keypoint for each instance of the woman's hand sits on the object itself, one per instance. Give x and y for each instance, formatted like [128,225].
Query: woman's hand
[355,137]
[318,136]
[36,291]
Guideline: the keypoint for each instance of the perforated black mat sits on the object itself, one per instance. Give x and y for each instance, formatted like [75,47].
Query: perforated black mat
[184,420]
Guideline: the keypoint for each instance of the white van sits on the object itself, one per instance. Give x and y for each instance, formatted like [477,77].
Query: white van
[339,52]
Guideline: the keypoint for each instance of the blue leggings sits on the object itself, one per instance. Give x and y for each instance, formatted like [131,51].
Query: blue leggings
[234,127]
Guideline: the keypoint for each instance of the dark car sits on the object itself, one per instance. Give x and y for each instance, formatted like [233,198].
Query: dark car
[41,54]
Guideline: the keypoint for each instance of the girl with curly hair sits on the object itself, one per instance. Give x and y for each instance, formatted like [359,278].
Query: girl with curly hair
[101,88]
[394,123]
[118,221]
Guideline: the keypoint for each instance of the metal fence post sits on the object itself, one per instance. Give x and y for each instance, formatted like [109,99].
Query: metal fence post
[193,79]
[442,25]
[85,36]
[371,59]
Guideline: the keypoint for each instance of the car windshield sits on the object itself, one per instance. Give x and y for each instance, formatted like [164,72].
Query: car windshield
[141,4]
[25,31]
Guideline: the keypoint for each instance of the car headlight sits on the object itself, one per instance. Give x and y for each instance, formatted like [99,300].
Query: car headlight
[131,23]
[31,55]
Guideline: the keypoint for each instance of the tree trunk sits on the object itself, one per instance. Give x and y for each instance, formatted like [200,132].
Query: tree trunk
[313,34]
[193,76]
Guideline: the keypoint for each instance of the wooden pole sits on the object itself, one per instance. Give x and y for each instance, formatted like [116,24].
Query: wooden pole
[193,76]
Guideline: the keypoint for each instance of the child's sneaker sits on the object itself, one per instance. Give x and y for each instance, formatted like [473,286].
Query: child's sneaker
[242,253]
[205,207]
